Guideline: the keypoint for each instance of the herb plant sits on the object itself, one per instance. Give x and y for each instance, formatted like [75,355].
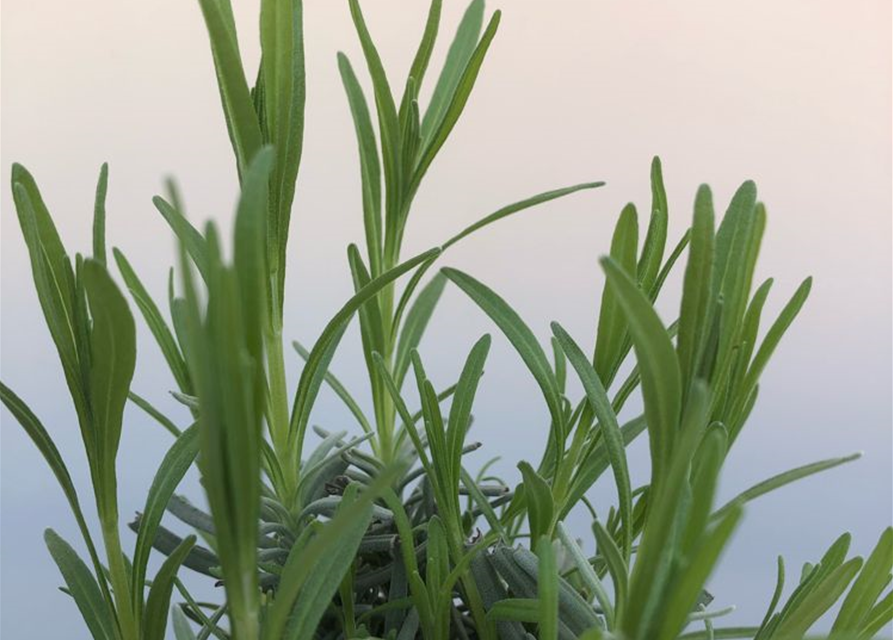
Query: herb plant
[384,532]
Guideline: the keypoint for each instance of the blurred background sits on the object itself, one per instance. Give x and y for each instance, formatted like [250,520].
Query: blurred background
[795,94]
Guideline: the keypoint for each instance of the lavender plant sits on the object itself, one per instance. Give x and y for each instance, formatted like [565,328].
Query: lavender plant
[387,533]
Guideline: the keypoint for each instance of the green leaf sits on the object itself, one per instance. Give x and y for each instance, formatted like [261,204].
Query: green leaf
[879,616]
[656,237]
[156,323]
[659,367]
[53,281]
[540,507]
[617,566]
[596,461]
[324,349]
[372,333]
[461,49]
[733,267]
[433,140]
[818,600]
[238,108]
[314,571]
[340,390]
[613,326]
[776,595]
[174,466]
[82,585]
[658,546]
[520,205]
[587,574]
[516,609]
[423,56]
[704,476]
[696,289]
[774,335]
[504,212]
[113,358]
[414,326]
[44,443]
[158,603]
[282,69]
[189,236]
[387,117]
[610,429]
[226,365]
[154,413]
[370,168]
[99,215]
[782,479]
[483,503]
[182,630]
[867,588]
[521,337]
[460,410]
[690,583]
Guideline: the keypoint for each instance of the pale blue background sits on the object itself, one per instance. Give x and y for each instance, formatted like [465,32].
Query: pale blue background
[796,95]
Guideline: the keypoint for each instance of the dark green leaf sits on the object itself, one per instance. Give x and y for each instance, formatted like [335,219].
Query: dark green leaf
[174,466]
[99,215]
[158,603]
[82,586]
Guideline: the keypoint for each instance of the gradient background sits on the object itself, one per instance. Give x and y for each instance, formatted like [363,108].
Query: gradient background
[795,94]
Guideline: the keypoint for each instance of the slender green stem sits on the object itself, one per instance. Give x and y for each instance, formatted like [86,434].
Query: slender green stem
[120,582]
[278,410]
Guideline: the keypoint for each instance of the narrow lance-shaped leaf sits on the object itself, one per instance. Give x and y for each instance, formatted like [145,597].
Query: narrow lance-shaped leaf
[423,56]
[649,581]
[661,385]
[656,237]
[44,443]
[497,215]
[54,282]
[340,390]
[540,507]
[156,323]
[610,429]
[99,253]
[370,168]
[774,335]
[113,358]
[188,235]
[460,410]
[696,288]
[174,466]
[238,107]
[783,479]
[867,588]
[613,326]
[460,51]
[282,67]
[387,119]
[521,337]
[82,586]
[458,100]
[159,600]
[417,319]
[691,582]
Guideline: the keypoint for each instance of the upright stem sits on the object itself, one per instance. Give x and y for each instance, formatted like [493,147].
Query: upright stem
[119,579]
[278,413]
